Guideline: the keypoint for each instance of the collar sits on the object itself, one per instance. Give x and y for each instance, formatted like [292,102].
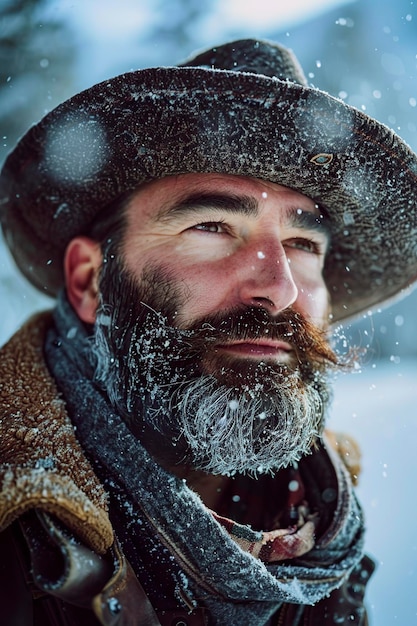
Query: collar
[42,462]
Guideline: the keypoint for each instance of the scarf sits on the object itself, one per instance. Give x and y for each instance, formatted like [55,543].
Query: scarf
[182,553]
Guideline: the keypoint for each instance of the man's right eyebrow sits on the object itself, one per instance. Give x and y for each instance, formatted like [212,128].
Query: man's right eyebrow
[198,202]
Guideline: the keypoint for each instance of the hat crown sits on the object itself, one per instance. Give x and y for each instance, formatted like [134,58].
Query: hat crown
[254,56]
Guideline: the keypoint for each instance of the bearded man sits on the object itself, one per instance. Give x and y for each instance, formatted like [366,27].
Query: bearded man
[164,453]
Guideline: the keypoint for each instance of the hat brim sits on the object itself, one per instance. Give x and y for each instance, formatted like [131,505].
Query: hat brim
[153,123]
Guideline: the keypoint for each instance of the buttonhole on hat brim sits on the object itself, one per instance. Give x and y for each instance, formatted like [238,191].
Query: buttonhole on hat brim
[322,158]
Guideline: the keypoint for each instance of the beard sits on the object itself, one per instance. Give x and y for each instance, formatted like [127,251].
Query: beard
[188,402]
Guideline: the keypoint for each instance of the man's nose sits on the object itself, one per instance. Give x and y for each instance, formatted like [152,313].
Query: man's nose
[266,278]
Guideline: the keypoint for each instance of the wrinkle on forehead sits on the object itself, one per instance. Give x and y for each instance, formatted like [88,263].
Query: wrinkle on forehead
[187,193]
[180,183]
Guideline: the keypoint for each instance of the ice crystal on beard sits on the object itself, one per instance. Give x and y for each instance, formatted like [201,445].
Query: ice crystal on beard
[235,443]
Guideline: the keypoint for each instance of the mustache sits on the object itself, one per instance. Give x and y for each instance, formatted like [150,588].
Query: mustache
[308,342]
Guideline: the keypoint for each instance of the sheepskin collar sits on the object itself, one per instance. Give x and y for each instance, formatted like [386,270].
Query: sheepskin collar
[42,463]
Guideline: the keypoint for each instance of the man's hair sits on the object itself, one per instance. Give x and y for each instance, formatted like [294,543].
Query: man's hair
[110,225]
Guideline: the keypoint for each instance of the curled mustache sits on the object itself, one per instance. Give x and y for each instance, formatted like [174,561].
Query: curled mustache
[308,342]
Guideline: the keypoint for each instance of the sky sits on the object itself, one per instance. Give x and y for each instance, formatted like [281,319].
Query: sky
[100,27]
[273,12]
[101,20]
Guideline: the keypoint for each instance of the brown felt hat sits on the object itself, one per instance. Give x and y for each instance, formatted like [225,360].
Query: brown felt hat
[244,108]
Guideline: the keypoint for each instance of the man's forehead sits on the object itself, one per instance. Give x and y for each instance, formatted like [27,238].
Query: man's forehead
[166,192]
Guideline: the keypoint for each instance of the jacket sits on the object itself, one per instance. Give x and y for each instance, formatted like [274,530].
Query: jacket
[61,563]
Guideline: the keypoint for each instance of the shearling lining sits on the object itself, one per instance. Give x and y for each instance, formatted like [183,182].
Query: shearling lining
[42,464]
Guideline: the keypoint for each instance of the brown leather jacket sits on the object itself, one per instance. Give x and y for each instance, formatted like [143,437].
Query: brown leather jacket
[60,563]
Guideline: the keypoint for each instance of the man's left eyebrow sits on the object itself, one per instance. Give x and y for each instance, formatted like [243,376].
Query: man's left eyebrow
[307,220]
[245,205]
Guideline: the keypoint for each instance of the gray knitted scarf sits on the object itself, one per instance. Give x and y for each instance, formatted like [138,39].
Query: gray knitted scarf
[176,546]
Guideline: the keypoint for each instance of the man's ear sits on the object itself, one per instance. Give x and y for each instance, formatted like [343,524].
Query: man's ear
[82,263]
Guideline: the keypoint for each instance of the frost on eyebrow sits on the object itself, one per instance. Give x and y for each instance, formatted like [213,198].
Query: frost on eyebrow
[195,203]
[307,220]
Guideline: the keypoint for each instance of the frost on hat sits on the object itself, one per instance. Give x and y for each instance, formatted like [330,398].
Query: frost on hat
[243,108]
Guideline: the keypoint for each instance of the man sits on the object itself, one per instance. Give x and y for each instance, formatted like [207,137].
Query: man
[163,445]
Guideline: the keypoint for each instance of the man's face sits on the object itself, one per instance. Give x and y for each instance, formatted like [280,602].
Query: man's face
[231,242]
[213,349]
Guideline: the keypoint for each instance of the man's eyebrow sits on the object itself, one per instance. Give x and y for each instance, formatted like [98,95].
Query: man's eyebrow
[245,205]
[307,220]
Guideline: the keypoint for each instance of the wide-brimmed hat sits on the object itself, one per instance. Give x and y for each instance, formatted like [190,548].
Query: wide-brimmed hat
[244,108]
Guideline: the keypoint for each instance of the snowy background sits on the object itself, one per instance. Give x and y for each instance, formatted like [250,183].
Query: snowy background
[365,52]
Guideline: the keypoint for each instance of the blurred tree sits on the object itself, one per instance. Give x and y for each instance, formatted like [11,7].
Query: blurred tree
[36,51]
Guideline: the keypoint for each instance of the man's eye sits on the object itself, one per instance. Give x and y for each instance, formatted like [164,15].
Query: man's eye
[211,227]
[306,245]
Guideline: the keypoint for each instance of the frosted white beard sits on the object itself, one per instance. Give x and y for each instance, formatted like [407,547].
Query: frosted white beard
[260,422]
[249,432]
